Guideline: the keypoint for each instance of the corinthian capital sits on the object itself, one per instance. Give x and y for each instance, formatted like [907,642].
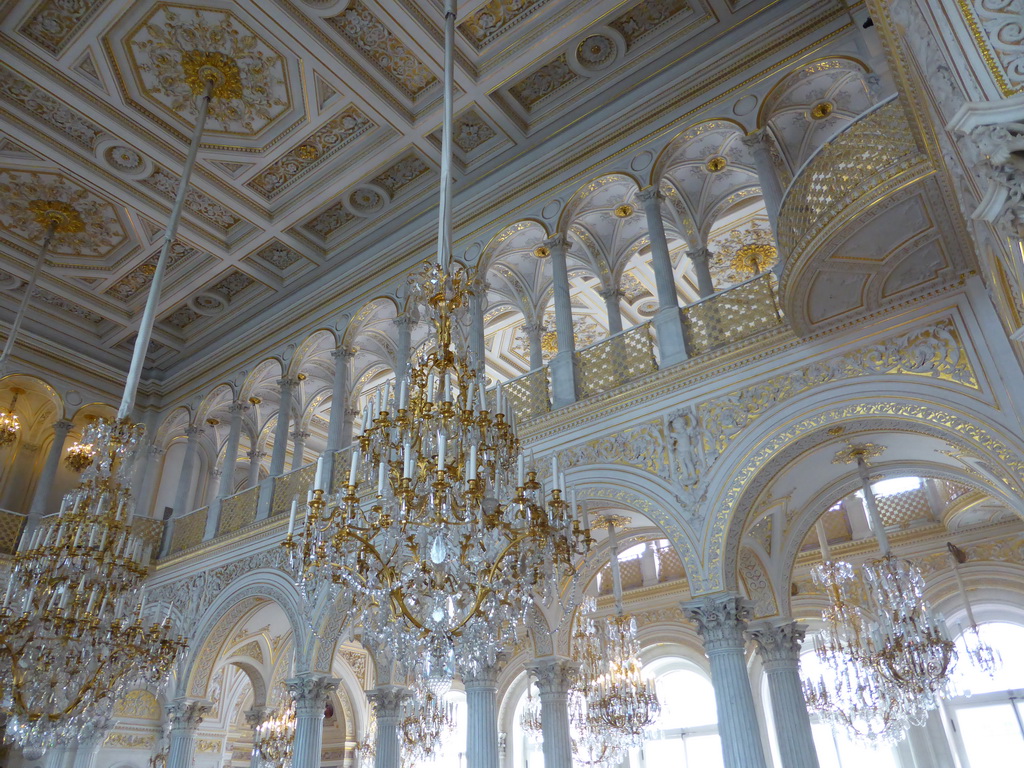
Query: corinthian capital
[187,714]
[310,693]
[721,620]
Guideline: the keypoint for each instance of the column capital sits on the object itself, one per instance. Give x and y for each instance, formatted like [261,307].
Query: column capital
[310,692]
[650,197]
[759,139]
[238,407]
[287,383]
[216,472]
[778,644]
[299,434]
[63,425]
[156,450]
[720,619]
[351,413]
[344,353]
[387,701]
[255,455]
[484,675]
[533,329]
[557,241]
[187,714]
[700,254]
[194,430]
[257,715]
[611,294]
[554,675]
[405,320]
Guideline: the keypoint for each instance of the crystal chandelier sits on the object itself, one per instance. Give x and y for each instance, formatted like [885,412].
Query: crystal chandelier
[9,424]
[440,536]
[426,721]
[72,637]
[79,456]
[979,653]
[275,738]
[530,717]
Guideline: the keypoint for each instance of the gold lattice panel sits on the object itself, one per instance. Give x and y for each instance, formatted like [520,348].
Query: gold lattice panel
[904,509]
[238,511]
[294,485]
[188,530]
[10,527]
[616,361]
[670,567]
[529,394]
[732,315]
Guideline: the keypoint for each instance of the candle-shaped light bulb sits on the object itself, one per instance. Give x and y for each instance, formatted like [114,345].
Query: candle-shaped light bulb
[554,471]
[407,473]
[318,481]
[469,395]
[291,516]
[354,468]
[430,387]
[381,473]
[403,394]
[471,470]
[442,447]
[447,386]
[521,470]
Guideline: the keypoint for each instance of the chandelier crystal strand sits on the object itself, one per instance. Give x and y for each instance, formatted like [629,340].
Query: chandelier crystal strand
[440,537]
[71,629]
[980,654]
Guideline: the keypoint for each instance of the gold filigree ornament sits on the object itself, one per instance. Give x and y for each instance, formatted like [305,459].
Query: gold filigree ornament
[822,110]
[716,164]
[623,211]
[204,67]
[541,251]
[306,152]
[754,258]
[855,451]
[63,217]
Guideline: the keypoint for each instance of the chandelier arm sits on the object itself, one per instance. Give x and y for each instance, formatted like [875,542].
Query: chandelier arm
[149,313]
[29,288]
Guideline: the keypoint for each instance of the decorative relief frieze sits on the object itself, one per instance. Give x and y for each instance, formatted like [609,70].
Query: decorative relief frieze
[21,93]
[119,740]
[646,17]
[383,48]
[999,34]
[139,704]
[401,174]
[471,131]
[543,82]
[136,281]
[315,150]
[199,203]
[278,255]
[496,17]
[54,22]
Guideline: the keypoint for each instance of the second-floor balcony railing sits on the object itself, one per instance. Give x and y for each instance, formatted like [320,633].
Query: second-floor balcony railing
[188,531]
[238,511]
[732,315]
[10,529]
[530,394]
[615,361]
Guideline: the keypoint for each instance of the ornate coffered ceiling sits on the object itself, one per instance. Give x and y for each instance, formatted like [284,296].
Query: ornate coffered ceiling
[325,173]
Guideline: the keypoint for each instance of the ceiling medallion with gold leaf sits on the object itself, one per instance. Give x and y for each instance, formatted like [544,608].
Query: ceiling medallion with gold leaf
[541,251]
[716,164]
[754,258]
[203,67]
[821,110]
[623,211]
[64,217]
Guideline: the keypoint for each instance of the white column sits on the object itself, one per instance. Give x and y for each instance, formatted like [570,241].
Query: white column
[310,694]
[387,706]
[721,621]
[185,717]
[928,743]
[482,712]
[404,323]
[535,333]
[761,145]
[339,398]
[668,323]
[779,649]
[477,331]
[284,413]
[611,297]
[213,486]
[554,676]
[253,718]
[55,757]
[89,743]
[701,259]
[182,495]
[563,366]
[255,459]
[299,438]
[150,471]
[45,484]
[349,427]
[227,477]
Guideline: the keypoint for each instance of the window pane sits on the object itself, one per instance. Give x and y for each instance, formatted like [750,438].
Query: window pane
[990,735]
[687,700]
[1007,639]
[701,752]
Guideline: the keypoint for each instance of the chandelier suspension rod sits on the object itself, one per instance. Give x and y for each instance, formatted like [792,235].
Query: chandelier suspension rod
[444,223]
[958,557]
[872,507]
[23,306]
[149,314]
[613,544]
[819,528]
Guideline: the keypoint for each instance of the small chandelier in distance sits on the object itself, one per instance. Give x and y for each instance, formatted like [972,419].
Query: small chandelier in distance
[79,456]
[9,423]
[275,738]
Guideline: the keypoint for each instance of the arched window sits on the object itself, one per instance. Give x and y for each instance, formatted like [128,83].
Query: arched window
[988,720]
[686,733]
[452,751]
[834,749]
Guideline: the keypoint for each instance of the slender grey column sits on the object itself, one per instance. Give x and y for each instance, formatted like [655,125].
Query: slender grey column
[779,649]
[339,396]
[310,694]
[928,743]
[761,145]
[611,298]
[482,711]
[668,323]
[284,414]
[255,458]
[185,716]
[227,477]
[535,334]
[254,717]
[45,484]
[554,676]
[349,427]
[144,499]
[477,332]
[404,323]
[55,757]
[721,621]
[299,438]
[181,495]
[701,258]
[387,706]
[213,486]
[563,366]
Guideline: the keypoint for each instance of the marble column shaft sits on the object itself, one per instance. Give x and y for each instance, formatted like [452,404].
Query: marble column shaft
[482,711]
[387,706]
[761,144]
[339,397]
[535,334]
[299,438]
[611,297]
[182,496]
[284,414]
[227,476]
[668,322]
[310,693]
[49,473]
[554,676]
[254,718]
[721,621]
[563,366]
[185,717]
[701,260]
[778,645]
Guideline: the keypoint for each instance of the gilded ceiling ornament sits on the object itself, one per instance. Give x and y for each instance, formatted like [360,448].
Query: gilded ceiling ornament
[623,211]
[855,451]
[754,258]
[86,225]
[822,110]
[179,52]
[716,164]
[541,251]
